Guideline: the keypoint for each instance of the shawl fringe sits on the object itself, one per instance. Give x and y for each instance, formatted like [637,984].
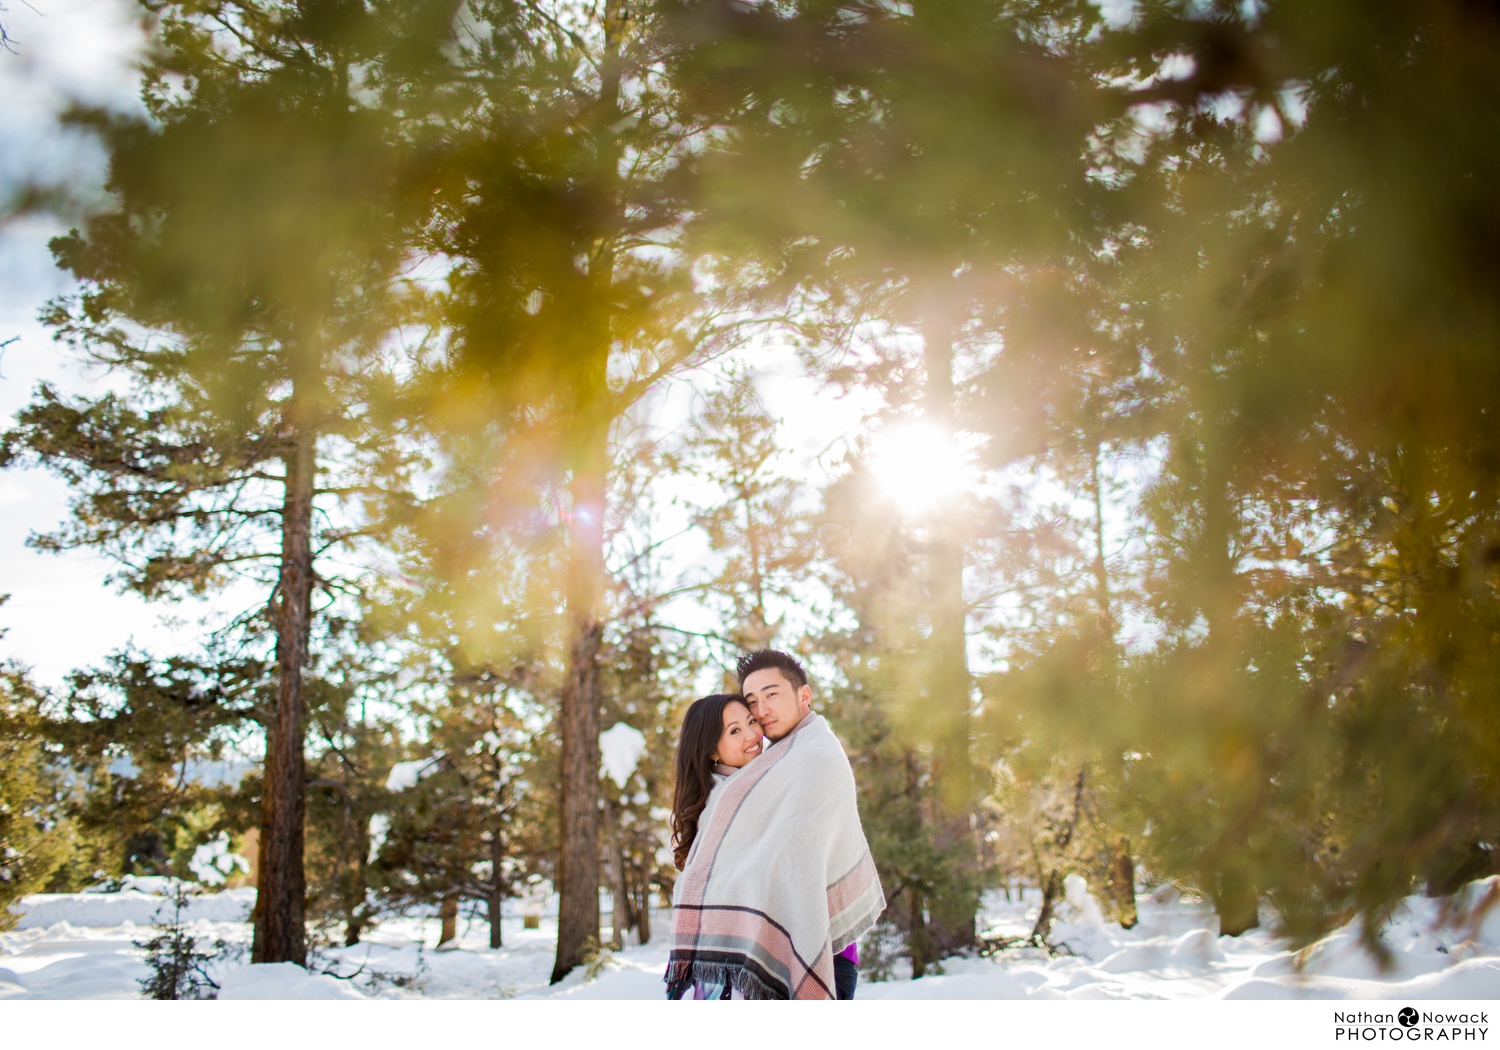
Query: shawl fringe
[683,973]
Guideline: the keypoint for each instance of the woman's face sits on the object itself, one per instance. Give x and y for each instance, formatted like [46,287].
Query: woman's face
[740,741]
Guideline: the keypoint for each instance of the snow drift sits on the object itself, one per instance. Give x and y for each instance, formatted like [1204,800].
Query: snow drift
[80,946]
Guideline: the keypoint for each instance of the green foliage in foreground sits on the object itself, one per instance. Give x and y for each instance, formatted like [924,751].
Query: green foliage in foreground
[1251,310]
[1209,295]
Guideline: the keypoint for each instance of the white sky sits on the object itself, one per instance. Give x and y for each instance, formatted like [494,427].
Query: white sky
[61,614]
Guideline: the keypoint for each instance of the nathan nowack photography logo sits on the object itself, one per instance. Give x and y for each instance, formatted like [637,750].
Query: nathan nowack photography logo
[1410,1025]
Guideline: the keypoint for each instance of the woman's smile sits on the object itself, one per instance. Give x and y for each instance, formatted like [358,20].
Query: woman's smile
[741,739]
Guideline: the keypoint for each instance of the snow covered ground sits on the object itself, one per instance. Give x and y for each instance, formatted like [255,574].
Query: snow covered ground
[79,946]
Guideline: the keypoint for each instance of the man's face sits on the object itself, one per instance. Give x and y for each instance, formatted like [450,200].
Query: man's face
[776,704]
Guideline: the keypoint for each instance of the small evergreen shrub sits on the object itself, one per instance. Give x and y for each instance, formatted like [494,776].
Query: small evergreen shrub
[176,962]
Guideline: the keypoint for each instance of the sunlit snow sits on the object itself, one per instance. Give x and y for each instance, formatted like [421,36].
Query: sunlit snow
[79,946]
[620,749]
[404,775]
[213,862]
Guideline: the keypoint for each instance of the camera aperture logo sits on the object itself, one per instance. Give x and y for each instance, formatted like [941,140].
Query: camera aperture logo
[1408,1025]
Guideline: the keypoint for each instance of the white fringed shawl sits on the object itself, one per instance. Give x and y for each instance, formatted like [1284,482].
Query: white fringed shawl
[779,878]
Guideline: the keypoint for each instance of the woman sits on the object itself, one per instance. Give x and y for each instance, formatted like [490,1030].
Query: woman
[719,735]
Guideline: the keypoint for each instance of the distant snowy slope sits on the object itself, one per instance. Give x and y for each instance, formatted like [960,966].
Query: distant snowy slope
[41,910]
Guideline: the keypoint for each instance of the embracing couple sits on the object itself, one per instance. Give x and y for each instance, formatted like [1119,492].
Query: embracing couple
[777,880]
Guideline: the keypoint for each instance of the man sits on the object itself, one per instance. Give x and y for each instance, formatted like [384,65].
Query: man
[776,690]
[780,883]
[775,687]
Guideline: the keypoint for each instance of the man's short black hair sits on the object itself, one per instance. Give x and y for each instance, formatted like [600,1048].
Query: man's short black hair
[764,658]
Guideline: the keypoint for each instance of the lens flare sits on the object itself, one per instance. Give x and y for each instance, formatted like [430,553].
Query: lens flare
[920,467]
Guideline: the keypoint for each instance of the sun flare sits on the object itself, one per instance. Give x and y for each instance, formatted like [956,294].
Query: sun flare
[920,466]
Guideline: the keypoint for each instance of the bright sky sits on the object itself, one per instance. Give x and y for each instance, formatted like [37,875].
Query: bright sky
[61,614]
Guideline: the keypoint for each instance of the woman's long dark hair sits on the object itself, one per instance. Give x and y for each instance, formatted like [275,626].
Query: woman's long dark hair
[701,728]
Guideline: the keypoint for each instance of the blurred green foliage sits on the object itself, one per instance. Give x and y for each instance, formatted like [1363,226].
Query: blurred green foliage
[1207,288]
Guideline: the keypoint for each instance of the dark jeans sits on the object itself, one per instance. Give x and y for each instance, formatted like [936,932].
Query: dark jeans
[845,977]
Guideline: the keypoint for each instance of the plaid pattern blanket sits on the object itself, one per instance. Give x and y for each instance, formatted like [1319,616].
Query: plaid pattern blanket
[780,878]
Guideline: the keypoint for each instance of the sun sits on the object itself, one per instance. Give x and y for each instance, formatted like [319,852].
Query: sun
[920,467]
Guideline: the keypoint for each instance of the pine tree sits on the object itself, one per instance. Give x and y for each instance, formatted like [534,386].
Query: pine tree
[891,173]
[751,519]
[176,962]
[1318,492]
[648,683]
[135,736]
[1065,419]
[36,837]
[470,612]
[932,875]
[474,825]
[570,300]
[355,734]
[240,286]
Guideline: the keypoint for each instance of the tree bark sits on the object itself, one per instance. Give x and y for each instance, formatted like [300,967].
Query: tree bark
[624,911]
[448,912]
[916,936]
[1122,883]
[578,855]
[280,934]
[643,910]
[1235,900]
[496,896]
[352,877]
[357,919]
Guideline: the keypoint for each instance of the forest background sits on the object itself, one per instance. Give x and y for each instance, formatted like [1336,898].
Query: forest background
[444,347]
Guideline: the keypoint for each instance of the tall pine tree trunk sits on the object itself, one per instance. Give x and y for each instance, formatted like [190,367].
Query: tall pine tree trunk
[642,898]
[1122,883]
[354,920]
[280,935]
[578,853]
[622,907]
[448,913]
[952,908]
[578,841]
[496,898]
[351,876]
[1232,889]
[916,935]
